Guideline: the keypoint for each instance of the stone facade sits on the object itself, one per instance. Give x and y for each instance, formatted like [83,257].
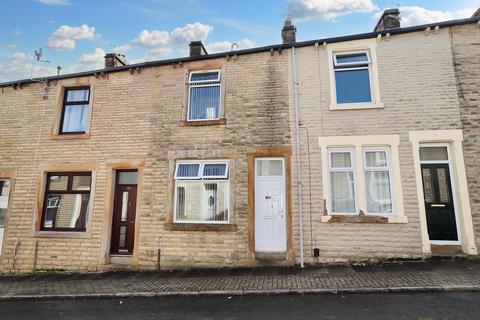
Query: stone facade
[137,121]
[419,93]
[466,51]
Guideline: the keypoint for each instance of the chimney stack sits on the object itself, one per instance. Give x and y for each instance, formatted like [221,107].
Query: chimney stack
[390,19]
[197,49]
[289,31]
[113,60]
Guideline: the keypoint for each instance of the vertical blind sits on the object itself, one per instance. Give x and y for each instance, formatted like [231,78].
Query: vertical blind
[202,192]
[204,96]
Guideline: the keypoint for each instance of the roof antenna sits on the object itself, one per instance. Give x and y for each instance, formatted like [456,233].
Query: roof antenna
[234,45]
[59,68]
[37,56]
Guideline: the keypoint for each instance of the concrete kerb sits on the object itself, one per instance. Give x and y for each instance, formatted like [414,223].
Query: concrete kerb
[410,289]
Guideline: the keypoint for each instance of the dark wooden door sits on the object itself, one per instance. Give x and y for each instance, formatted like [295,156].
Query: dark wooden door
[437,190]
[123,224]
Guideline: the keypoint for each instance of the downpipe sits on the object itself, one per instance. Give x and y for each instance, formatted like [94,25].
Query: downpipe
[297,147]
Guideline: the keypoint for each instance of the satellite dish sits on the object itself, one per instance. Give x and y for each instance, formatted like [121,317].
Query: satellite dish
[38,54]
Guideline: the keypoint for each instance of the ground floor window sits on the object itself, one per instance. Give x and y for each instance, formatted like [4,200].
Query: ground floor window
[202,192]
[4,191]
[362,176]
[67,199]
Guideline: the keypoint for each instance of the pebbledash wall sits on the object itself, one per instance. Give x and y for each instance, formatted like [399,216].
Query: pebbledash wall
[137,121]
[417,100]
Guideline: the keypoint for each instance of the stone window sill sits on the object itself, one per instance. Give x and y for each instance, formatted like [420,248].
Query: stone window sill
[364,219]
[62,234]
[83,136]
[355,106]
[184,123]
[200,227]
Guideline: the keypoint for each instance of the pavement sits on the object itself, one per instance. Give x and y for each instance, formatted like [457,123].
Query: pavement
[413,276]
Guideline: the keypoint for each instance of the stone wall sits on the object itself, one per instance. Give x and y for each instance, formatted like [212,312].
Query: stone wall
[138,117]
[466,49]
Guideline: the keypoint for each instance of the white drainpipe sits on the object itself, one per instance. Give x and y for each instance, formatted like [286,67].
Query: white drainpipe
[297,146]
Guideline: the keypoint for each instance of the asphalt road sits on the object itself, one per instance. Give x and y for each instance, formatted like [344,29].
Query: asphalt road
[421,306]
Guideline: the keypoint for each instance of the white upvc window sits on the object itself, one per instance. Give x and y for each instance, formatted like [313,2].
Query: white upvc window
[353,77]
[202,192]
[204,95]
[378,181]
[341,167]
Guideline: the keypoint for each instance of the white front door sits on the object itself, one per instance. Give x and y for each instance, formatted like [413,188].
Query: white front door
[270,212]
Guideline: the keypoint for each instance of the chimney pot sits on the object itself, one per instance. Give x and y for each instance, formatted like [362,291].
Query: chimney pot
[113,60]
[390,19]
[197,49]
[288,31]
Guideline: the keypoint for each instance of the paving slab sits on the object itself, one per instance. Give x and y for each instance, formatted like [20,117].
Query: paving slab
[416,276]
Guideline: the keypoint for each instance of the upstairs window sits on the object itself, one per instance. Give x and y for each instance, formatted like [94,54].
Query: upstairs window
[204,95]
[67,199]
[202,192]
[352,77]
[75,111]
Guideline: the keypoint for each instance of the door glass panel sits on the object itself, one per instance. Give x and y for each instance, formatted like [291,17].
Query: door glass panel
[123,235]
[343,192]
[124,205]
[427,185]
[58,183]
[433,153]
[442,186]
[127,177]
[4,191]
[81,182]
[269,168]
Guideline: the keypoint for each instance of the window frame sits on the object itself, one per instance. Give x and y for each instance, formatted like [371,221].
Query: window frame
[351,169]
[69,190]
[65,103]
[202,178]
[353,66]
[202,84]
[388,168]
[347,64]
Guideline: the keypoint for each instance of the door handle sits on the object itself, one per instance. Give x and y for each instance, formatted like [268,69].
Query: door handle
[437,206]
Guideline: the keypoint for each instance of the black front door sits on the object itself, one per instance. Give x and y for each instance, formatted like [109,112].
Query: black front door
[439,206]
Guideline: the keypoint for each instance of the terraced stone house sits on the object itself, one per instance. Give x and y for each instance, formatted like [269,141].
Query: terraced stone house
[353,148]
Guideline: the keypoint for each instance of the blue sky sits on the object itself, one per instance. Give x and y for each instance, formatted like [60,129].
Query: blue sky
[75,34]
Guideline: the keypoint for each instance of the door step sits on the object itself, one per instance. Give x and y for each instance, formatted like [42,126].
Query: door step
[125,261]
[447,251]
[271,256]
